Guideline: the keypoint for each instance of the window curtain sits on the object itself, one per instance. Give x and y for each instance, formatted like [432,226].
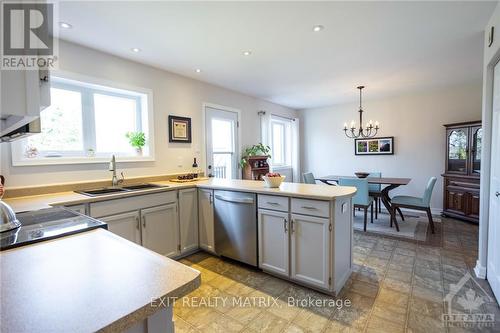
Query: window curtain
[265,128]
[296,150]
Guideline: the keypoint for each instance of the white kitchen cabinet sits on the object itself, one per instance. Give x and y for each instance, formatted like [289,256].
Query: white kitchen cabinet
[206,219]
[82,208]
[188,219]
[310,250]
[160,229]
[273,229]
[126,225]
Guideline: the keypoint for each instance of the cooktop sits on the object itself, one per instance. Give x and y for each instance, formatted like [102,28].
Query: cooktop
[46,224]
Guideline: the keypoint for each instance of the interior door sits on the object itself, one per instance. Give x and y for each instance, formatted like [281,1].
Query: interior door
[493,269]
[221,128]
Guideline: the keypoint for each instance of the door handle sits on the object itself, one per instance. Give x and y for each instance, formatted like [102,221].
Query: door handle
[292,226]
[284,225]
[309,207]
[497,194]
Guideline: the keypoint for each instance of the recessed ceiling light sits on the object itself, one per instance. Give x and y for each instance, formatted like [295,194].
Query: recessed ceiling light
[65,25]
[136,49]
[197,70]
[247,53]
[318,28]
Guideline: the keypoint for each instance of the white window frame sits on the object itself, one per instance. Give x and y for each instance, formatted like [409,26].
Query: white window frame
[105,87]
[287,138]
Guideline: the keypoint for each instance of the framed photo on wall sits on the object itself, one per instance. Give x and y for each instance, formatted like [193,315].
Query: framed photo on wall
[374,146]
[179,129]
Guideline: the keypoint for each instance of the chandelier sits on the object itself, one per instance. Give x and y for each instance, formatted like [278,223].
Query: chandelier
[369,131]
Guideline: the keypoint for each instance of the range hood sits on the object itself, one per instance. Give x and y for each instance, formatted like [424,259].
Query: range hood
[32,127]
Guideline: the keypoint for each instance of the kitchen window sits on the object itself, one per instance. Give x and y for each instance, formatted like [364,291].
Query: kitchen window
[87,123]
[281,139]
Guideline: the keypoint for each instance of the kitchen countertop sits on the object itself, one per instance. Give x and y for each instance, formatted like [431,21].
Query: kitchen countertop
[308,191]
[86,282]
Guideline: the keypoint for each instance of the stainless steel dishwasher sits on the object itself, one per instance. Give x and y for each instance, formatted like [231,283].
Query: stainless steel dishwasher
[236,226]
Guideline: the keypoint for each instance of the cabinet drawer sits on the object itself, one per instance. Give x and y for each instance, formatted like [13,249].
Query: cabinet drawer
[311,207]
[273,202]
[117,206]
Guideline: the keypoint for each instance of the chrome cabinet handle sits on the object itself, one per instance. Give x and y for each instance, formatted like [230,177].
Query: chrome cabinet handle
[272,203]
[292,226]
[309,207]
[497,194]
[137,225]
[285,225]
[144,221]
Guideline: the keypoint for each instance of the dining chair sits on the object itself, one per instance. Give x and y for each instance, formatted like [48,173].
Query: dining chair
[308,178]
[361,198]
[415,203]
[375,191]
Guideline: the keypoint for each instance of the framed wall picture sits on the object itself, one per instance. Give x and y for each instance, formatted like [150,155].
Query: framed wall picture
[179,129]
[374,146]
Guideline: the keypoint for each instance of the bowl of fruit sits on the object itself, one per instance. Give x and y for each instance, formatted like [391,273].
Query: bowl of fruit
[273,179]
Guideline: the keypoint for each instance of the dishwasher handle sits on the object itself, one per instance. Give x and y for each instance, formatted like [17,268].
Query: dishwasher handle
[235,200]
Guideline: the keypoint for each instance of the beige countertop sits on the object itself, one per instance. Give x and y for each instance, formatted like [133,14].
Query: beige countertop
[86,282]
[299,190]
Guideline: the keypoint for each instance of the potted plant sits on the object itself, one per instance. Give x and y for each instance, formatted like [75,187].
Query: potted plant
[255,150]
[136,140]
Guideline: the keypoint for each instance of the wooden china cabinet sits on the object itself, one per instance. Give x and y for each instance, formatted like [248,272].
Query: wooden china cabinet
[462,170]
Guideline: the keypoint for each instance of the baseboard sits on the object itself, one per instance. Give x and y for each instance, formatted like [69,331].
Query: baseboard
[480,270]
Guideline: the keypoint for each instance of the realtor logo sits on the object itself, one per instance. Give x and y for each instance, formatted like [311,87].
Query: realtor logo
[464,305]
[28,40]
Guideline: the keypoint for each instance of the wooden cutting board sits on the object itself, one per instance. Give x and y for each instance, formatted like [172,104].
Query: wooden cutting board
[187,180]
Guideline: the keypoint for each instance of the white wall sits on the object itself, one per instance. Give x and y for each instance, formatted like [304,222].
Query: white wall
[414,120]
[173,94]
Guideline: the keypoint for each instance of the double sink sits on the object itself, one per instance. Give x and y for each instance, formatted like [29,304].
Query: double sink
[122,189]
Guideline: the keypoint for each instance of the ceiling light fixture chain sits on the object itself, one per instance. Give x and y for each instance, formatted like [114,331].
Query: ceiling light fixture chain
[369,131]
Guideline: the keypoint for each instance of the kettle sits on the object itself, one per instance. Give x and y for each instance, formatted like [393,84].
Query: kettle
[8,220]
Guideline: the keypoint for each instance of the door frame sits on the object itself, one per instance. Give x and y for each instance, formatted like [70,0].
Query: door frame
[487,119]
[206,105]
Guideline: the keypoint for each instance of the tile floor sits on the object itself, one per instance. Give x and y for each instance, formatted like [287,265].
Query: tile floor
[397,286]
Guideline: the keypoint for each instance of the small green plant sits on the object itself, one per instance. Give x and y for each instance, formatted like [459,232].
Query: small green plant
[255,150]
[136,139]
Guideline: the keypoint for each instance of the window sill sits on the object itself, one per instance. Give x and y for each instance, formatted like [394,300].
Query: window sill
[80,160]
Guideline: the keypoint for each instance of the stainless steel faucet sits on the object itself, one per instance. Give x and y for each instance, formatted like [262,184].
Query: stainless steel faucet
[112,167]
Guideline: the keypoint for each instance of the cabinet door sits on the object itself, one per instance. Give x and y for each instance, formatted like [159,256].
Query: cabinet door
[188,219]
[473,205]
[125,225]
[206,219]
[160,229]
[456,201]
[457,150]
[310,250]
[476,137]
[274,241]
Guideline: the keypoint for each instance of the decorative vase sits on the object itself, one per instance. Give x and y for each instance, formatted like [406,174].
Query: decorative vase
[138,151]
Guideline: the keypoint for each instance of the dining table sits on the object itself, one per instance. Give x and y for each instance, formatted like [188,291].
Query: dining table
[390,182]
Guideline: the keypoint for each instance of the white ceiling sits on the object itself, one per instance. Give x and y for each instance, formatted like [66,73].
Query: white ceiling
[391,47]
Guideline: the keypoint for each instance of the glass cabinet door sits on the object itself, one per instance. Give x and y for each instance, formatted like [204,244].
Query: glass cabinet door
[457,150]
[477,138]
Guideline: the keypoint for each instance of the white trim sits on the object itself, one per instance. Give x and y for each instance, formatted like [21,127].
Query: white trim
[16,149]
[206,105]
[480,270]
